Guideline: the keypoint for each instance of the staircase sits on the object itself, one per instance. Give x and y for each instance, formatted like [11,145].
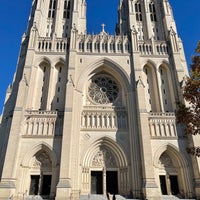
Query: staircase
[171,197]
[35,197]
[101,197]
[92,197]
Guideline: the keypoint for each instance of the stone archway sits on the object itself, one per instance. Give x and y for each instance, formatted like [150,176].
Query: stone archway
[168,176]
[172,171]
[105,169]
[39,171]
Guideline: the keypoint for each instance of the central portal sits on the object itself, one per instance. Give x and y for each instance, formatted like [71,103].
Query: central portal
[101,183]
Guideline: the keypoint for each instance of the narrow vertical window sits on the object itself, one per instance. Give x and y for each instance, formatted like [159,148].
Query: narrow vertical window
[138,11]
[52,8]
[152,11]
[66,12]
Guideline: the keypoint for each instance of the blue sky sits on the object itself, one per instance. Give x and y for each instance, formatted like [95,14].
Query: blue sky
[14,16]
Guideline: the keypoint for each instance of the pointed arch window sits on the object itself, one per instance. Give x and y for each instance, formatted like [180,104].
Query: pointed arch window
[138,11]
[89,46]
[66,12]
[127,47]
[52,8]
[152,11]
[81,46]
[104,47]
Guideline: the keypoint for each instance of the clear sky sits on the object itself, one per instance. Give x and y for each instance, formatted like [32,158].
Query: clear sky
[14,16]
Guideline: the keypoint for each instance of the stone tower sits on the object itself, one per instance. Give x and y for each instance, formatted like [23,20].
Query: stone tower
[90,114]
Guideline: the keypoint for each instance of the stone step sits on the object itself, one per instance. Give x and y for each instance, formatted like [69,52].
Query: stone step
[35,197]
[171,197]
[101,197]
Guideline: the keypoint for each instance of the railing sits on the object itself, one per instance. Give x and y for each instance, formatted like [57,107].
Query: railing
[46,44]
[162,125]
[102,43]
[153,47]
[43,123]
[104,119]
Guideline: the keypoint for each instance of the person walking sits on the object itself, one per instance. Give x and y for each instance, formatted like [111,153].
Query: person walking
[108,196]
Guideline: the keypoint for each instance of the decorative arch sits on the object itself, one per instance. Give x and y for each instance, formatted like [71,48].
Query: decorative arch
[115,148]
[105,155]
[45,60]
[35,149]
[107,65]
[150,63]
[173,151]
[166,87]
[165,63]
[59,61]
[181,164]
[151,87]
[58,85]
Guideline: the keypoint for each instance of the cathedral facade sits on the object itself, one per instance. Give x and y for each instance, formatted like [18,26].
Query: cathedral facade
[95,113]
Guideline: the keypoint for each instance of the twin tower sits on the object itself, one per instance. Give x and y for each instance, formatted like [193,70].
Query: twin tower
[91,114]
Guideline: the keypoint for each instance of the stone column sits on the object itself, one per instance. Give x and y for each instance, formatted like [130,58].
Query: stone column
[150,188]
[135,176]
[64,184]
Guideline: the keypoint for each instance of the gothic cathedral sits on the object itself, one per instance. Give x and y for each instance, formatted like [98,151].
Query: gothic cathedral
[91,115]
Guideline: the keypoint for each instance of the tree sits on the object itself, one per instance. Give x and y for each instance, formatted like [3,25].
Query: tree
[189,114]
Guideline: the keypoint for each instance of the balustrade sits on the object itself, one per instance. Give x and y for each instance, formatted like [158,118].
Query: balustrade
[101,119]
[102,43]
[52,45]
[43,123]
[153,47]
[162,125]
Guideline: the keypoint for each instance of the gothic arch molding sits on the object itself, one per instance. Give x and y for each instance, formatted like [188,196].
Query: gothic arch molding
[41,146]
[150,64]
[181,163]
[107,65]
[165,65]
[173,151]
[44,59]
[59,61]
[119,155]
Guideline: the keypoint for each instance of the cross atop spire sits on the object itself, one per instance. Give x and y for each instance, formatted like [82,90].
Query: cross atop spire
[103,27]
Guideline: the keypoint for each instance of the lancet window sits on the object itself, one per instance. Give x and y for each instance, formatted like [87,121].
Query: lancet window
[66,12]
[52,9]
[138,11]
[152,11]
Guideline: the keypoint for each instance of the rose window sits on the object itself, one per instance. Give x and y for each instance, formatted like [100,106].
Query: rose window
[103,90]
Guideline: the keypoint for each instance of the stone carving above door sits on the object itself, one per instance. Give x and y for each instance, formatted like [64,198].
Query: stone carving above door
[104,158]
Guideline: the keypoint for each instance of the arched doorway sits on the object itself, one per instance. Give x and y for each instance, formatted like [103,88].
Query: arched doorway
[173,172]
[39,172]
[105,169]
[168,176]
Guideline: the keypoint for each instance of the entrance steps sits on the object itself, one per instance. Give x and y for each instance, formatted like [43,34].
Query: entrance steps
[119,197]
[171,197]
[101,197]
[35,197]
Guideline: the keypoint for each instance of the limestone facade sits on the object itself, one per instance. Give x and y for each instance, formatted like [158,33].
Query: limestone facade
[91,114]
